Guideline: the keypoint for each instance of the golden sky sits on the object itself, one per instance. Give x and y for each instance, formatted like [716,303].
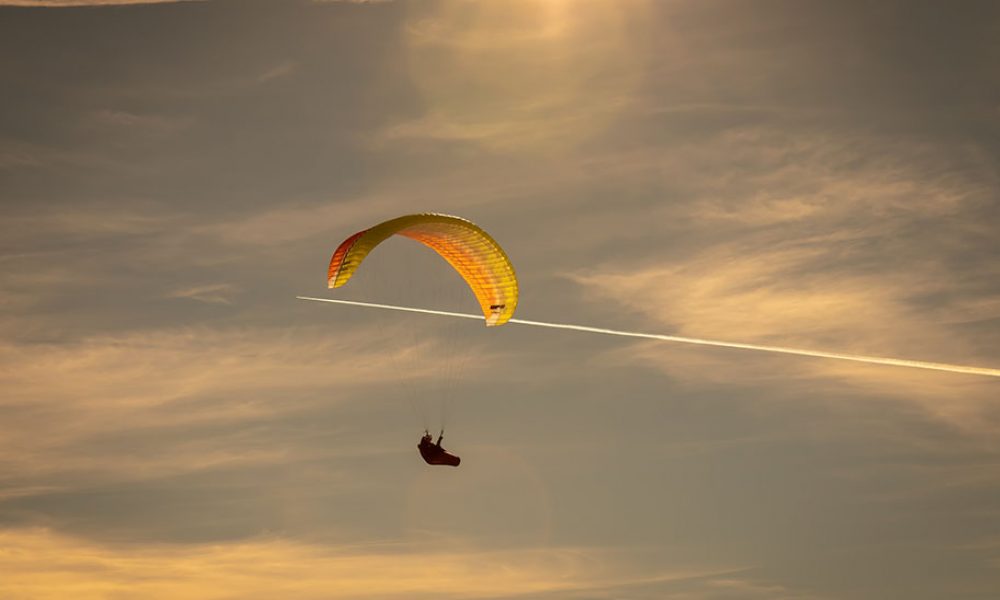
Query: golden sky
[815,174]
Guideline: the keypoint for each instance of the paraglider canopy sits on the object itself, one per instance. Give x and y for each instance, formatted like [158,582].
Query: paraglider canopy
[476,256]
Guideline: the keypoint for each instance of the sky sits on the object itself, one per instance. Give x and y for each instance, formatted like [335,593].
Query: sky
[814,174]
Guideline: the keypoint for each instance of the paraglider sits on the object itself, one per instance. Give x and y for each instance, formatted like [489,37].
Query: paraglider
[472,252]
[434,454]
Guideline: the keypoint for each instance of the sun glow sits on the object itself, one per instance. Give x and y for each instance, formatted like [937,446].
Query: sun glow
[520,79]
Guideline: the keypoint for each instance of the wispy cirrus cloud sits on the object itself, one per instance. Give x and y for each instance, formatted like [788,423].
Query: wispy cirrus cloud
[44,564]
[181,378]
[72,3]
[282,69]
[146,124]
[216,293]
[793,295]
[95,221]
[811,241]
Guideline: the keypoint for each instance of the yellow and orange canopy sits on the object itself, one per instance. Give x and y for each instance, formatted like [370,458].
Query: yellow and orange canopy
[476,256]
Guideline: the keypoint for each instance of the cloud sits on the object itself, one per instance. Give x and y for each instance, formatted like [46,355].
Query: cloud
[144,124]
[72,3]
[352,1]
[518,77]
[50,251]
[42,564]
[61,394]
[282,69]
[218,293]
[465,193]
[853,216]
[751,589]
[88,222]
[784,296]
[19,156]
[288,223]
[827,241]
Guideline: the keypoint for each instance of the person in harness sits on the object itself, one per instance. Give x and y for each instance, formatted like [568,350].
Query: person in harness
[434,454]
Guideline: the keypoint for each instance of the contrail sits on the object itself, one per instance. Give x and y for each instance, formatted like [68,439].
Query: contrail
[873,360]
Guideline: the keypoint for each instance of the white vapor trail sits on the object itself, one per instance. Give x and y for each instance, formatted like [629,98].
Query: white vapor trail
[873,360]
